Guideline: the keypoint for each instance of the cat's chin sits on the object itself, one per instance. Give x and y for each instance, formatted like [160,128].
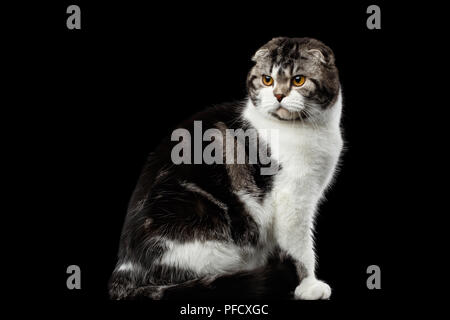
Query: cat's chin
[286,115]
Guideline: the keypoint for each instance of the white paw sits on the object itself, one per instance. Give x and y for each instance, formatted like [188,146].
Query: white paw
[312,289]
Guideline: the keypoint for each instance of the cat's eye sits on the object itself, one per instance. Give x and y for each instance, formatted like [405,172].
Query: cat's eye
[267,80]
[298,81]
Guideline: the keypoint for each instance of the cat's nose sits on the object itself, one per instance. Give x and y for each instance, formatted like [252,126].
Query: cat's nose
[279,97]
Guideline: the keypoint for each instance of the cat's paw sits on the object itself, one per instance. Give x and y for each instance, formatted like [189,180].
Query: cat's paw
[312,289]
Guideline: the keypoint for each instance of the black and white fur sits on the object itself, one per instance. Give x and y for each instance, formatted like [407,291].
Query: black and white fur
[224,230]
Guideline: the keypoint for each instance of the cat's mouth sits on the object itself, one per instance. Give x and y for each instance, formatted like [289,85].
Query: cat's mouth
[286,115]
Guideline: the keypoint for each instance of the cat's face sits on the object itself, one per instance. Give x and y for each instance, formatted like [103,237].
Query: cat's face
[293,79]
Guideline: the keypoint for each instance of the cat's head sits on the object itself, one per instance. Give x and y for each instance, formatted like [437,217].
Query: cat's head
[293,79]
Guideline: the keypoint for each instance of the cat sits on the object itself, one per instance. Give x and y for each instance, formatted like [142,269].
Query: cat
[225,230]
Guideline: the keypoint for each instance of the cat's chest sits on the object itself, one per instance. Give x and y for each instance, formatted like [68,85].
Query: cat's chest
[305,162]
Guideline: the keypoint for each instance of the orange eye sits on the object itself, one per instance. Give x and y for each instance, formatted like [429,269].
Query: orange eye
[298,81]
[267,80]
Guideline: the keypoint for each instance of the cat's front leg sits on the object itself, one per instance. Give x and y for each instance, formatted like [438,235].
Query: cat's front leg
[310,288]
[294,233]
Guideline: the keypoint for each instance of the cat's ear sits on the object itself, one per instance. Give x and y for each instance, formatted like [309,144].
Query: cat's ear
[265,50]
[323,55]
[316,53]
[260,54]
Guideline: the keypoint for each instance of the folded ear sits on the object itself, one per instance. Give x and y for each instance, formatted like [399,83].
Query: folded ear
[323,55]
[317,54]
[265,50]
[260,54]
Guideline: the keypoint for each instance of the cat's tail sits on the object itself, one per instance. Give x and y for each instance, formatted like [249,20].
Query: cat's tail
[276,280]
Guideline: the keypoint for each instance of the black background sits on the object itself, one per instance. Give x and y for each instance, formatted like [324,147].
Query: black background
[101,98]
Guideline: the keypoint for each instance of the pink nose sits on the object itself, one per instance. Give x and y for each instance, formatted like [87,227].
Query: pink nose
[279,97]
